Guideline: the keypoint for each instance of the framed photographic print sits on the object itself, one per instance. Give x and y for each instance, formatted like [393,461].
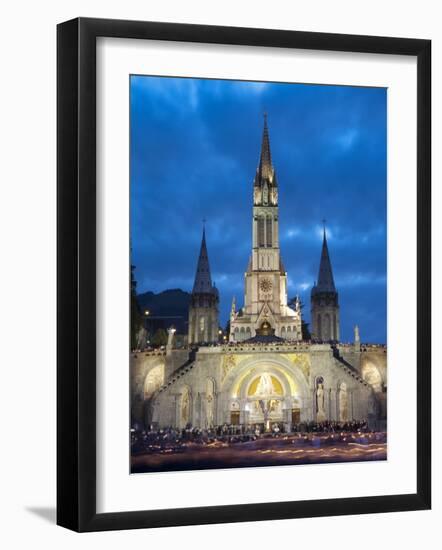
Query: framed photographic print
[243,274]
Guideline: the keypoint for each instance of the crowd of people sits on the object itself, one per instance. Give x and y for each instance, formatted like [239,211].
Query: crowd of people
[176,439]
[331,426]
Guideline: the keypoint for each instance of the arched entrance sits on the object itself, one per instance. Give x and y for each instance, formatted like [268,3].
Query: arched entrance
[371,374]
[153,381]
[266,391]
[265,400]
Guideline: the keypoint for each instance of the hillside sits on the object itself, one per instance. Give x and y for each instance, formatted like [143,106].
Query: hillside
[169,303]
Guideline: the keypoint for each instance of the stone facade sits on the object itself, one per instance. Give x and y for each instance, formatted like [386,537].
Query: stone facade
[203,310]
[324,301]
[265,281]
[265,373]
[220,384]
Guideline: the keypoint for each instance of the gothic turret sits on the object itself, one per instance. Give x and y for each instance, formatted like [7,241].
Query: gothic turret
[203,310]
[265,186]
[324,300]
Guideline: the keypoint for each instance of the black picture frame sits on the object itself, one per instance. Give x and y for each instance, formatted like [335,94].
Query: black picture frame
[76,274]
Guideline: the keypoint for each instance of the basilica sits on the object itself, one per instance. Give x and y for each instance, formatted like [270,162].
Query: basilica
[264,371]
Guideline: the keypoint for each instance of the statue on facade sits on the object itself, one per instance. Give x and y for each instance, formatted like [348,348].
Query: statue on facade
[265,385]
[209,409]
[320,410]
[343,403]
[185,408]
[265,407]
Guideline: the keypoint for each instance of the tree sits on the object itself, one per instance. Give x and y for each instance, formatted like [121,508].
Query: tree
[136,318]
[306,335]
[160,337]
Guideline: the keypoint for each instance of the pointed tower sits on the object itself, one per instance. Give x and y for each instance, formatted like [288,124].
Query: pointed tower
[203,310]
[265,186]
[233,309]
[265,297]
[324,300]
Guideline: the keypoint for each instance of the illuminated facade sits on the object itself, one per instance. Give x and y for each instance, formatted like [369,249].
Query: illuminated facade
[243,384]
[264,374]
[265,297]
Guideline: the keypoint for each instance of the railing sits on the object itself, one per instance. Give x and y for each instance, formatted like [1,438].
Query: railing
[348,367]
[150,353]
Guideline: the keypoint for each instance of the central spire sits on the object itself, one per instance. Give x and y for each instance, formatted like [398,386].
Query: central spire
[265,161]
[265,187]
[265,171]
[265,312]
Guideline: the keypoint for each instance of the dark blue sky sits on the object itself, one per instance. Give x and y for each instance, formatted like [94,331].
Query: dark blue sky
[195,147]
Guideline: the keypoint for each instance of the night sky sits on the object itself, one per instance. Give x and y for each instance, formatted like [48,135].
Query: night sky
[195,146]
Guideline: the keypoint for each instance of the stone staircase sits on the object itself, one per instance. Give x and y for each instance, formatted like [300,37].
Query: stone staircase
[180,372]
[348,367]
[190,363]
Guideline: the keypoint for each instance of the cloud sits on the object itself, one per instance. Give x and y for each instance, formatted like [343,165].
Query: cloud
[194,151]
[347,138]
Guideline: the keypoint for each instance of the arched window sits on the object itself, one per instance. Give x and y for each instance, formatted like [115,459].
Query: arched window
[202,324]
[371,374]
[269,228]
[265,193]
[319,327]
[261,240]
[154,380]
